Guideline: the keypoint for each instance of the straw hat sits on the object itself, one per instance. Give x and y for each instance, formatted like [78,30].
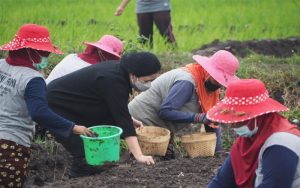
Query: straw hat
[244,99]
[222,66]
[110,44]
[32,36]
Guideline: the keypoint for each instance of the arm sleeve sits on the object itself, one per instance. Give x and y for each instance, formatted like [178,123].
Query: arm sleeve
[180,93]
[37,105]
[279,166]
[224,177]
[116,97]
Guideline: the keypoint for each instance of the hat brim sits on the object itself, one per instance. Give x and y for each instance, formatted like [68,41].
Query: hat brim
[48,47]
[102,47]
[220,76]
[224,113]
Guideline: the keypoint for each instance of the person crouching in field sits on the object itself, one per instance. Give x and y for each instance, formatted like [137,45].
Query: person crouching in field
[98,95]
[23,102]
[267,151]
[183,96]
[107,48]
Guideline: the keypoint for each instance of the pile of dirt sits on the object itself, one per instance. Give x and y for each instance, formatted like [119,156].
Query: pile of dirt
[278,48]
[50,170]
[48,163]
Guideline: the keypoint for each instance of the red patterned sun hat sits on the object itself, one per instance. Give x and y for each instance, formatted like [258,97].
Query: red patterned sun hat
[32,36]
[244,99]
[110,44]
[222,66]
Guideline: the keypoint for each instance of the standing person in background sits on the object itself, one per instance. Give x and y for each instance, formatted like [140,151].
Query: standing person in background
[23,102]
[266,153]
[183,96]
[107,48]
[98,95]
[149,12]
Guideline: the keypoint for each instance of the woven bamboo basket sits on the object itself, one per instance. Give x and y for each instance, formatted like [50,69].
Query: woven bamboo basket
[199,145]
[153,140]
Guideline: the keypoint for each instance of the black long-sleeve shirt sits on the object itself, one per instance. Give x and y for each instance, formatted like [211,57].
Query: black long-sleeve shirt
[95,95]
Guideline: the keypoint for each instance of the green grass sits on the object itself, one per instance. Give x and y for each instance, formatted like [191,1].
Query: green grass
[46,142]
[195,22]
[280,75]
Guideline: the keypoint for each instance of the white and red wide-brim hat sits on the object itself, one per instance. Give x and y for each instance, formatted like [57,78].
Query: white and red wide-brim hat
[32,36]
[244,99]
[110,44]
[222,66]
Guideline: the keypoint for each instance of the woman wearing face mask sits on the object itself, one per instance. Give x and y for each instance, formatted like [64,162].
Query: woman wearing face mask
[98,95]
[23,102]
[266,153]
[184,95]
[107,48]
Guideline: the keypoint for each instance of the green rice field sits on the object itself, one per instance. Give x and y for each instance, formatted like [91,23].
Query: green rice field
[195,22]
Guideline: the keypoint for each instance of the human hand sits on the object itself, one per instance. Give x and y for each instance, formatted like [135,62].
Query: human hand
[145,159]
[78,129]
[201,118]
[137,123]
[119,11]
[214,125]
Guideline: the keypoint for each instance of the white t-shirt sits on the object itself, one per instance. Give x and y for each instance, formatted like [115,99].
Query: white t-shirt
[68,65]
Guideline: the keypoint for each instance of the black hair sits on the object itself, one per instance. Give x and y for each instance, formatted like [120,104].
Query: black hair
[140,63]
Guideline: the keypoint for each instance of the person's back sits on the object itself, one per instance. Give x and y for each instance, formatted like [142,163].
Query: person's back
[84,92]
[17,125]
[107,48]
[68,65]
[283,139]
[145,107]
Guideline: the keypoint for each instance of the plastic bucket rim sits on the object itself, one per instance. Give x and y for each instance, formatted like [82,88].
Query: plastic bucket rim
[105,137]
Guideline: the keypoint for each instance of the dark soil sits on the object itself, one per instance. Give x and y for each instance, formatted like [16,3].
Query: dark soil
[47,170]
[278,48]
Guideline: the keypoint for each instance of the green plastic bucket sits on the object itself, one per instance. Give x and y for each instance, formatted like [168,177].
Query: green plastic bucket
[105,147]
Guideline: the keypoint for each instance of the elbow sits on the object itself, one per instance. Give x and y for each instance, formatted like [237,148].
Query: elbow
[163,114]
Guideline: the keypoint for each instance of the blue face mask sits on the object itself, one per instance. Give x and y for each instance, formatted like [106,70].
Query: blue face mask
[244,131]
[42,64]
